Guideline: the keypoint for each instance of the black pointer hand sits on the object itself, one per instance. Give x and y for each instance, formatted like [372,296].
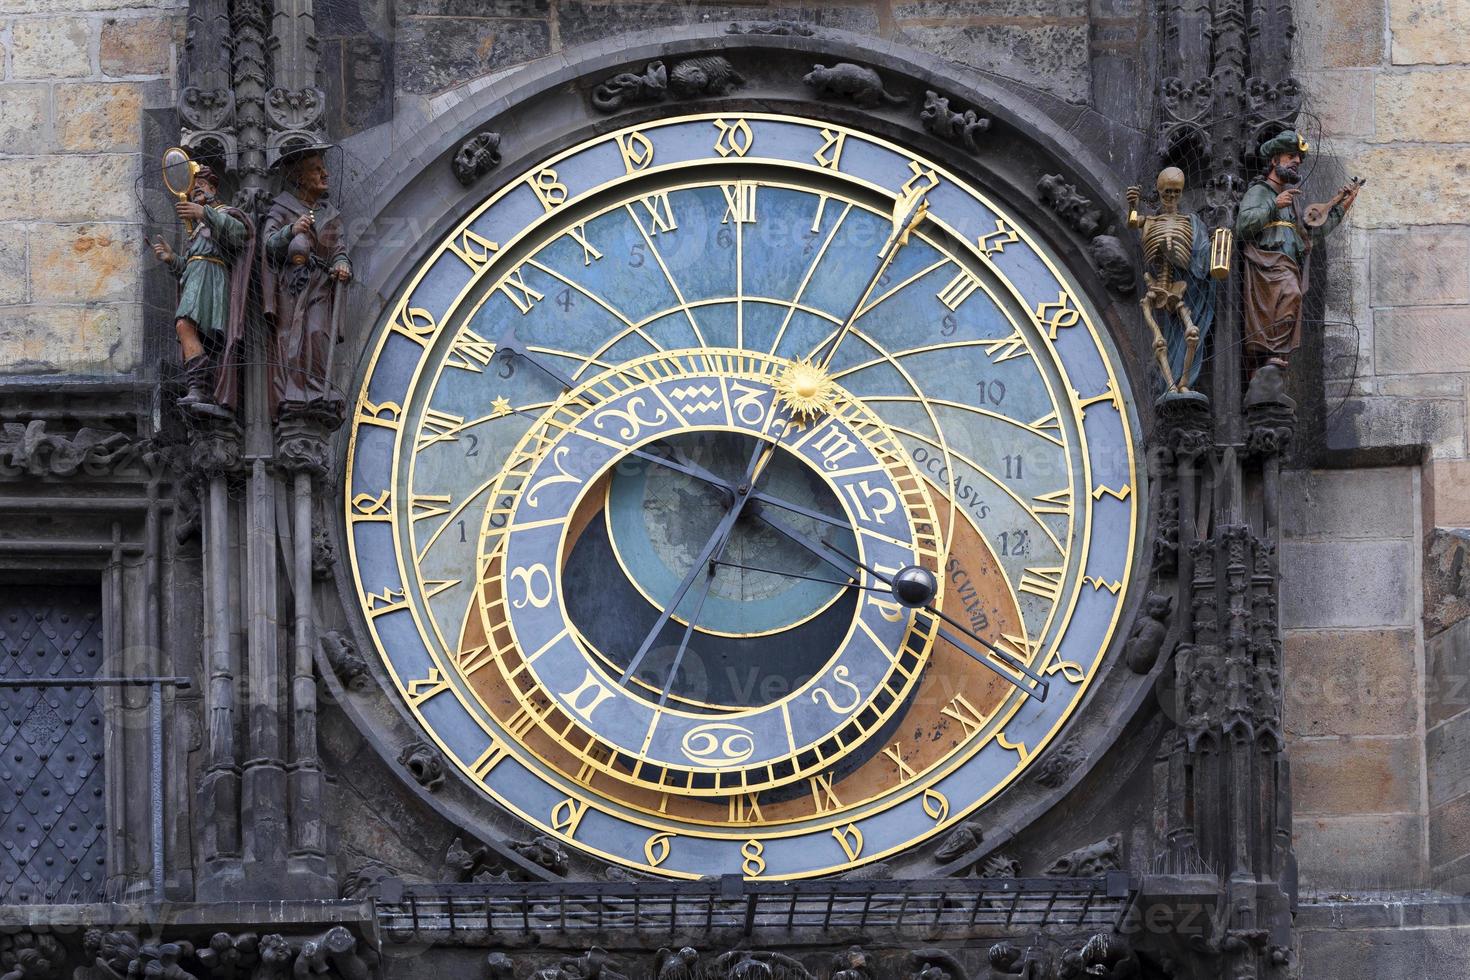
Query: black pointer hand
[715,544]
[824,551]
[683,466]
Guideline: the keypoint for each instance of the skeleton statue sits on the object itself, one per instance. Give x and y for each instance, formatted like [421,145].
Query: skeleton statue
[1179,275]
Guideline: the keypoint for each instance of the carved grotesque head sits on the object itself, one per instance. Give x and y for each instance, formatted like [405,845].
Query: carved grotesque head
[1171,187]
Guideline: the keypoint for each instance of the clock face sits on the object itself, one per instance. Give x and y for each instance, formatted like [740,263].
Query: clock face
[741,495]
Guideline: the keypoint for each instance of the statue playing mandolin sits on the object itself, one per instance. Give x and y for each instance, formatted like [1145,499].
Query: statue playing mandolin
[1277,240]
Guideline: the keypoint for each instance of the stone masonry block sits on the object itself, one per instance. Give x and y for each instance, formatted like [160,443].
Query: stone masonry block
[1045,44]
[68,339]
[1423,106]
[1447,493]
[1421,266]
[1428,31]
[50,47]
[1449,831]
[84,263]
[1339,34]
[1446,747]
[1345,776]
[1421,340]
[1342,98]
[1374,422]
[70,187]
[1447,670]
[1366,852]
[1362,954]
[11,7]
[1343,584]
[22,116]
[1350,682]
[99,116]
[12,264]
[1360,503]
[139,45]
[1430,186]
[437,53]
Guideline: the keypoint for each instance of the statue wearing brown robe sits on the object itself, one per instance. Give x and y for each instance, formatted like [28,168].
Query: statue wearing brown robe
[302,261]
[1277,241]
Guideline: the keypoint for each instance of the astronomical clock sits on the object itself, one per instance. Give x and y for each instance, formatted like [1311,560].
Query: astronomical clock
[741,494]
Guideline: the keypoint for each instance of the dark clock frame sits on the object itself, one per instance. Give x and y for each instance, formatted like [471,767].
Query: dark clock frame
[416,197]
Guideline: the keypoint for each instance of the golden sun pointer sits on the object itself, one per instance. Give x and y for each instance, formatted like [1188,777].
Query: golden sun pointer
[500,407]
[805,388]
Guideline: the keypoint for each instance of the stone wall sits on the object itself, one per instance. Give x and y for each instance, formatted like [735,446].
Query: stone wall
[1389,86]
[1046,46]
[1350,604]
[77,76]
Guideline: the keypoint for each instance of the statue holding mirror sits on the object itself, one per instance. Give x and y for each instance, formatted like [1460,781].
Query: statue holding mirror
[213,271]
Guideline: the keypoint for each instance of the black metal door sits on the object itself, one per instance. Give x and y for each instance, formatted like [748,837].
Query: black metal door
[52,816]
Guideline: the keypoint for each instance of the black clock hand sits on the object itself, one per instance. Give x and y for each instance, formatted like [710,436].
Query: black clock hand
[687,468]
[716,543]
[824,551]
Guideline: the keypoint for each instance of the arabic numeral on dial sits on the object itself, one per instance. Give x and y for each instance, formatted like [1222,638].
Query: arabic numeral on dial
[1013,466]
[1014,543]
[948,325]
[474,441]
[462,538]
[636,258]
[991,392]
[507,366]
[564,299]
[725,238]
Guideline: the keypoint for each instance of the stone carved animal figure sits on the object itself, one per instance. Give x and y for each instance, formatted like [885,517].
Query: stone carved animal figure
[1147,639]
[627,88]
[476,157]
[710,75]
[857,83]
[938,118]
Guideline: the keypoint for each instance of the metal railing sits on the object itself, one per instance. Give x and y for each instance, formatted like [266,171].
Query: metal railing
[408,911]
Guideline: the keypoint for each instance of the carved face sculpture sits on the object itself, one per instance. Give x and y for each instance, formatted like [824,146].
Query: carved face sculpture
[310,178]
[1287,167]
[1171,187]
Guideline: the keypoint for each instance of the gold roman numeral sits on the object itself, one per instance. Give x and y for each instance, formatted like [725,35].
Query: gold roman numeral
[962,711]
[895,752]
[959,289]
[1006,348]
[437,426]
[739,202]
[745,808]
[523,296]
[578,234]
[660,214]
[470,351]
[1045,582]
[823,797]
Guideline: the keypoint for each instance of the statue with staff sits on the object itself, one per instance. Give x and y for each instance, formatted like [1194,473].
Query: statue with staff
[303,271]
[213,272]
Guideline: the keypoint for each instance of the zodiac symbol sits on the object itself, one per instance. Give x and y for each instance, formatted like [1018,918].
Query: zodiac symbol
[839,674]
[718,743]
[633,423]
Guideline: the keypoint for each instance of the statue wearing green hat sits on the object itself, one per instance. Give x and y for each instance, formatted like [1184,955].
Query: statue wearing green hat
[1277,237]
